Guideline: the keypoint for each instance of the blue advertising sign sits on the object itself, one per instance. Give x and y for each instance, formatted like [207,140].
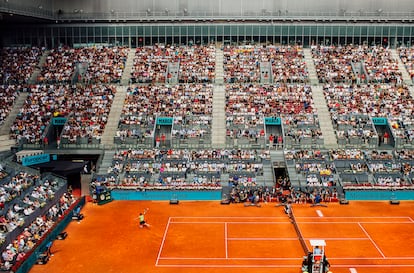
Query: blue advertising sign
[272,121]
[164,121]
[379,121]
[59,121]
[35,159]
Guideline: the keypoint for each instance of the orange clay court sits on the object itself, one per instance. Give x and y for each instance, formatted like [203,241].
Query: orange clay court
[198,237]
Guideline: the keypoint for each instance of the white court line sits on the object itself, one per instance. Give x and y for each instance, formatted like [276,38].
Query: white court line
[244,223]
[353,223]
[163,240]
[293,238]
[228,266]
[262,239]
[340,239]
[353,270]
[299,222]
[372,241]
[373,265]
[225,217]
[358,217]
[319,213]
[235,259]
[374,258]
[284,259]
[226,240]
[282,266]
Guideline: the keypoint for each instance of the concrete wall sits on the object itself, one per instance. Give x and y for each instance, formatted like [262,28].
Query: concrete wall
[233,6]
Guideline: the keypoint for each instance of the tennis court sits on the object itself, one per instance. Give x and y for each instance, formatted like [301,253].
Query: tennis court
[209,237]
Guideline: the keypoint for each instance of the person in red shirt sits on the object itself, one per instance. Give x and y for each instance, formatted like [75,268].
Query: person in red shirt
[280,141]
[386,138]
[157,142]
[271,138]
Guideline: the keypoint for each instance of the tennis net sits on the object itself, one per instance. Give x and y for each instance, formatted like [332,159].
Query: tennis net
[300,236]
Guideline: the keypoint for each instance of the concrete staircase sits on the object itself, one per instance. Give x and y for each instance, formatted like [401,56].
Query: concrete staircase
[405,76]
[219,66]
[114,116]
[218,127]
[313,77]
[267,179]
[38,69]
[18,104]
[325,121]
[106,162]
[126,75]
[6,143]
[278,156]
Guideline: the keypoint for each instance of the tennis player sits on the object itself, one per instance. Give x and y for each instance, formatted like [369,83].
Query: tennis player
[141,217]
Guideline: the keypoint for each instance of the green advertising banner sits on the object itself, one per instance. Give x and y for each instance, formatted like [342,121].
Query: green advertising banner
[164,121]
[379,121]
[35,159]
[272,121]
[59,121]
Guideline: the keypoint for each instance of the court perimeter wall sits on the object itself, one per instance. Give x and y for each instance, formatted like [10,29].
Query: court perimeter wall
[379,195]
[159,195]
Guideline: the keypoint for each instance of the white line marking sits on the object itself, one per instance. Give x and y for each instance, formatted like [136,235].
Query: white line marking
[243,258]
[282,266]
[293,238]
[244,223]
[286,259]
[353,270]
[226,240]
[358,217]
[225,217]
[372,241]
[353,223]
[374,265]
[163,240]
[339,239]
[374,258]
[319,213]
[299,222]
[228,266]
[262,239]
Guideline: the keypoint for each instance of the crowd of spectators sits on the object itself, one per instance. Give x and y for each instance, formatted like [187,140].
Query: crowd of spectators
[17,251]
[353,64]
[87,108]
[21,196]
[381,67]
[353,128]
[17,64]
[146,169]
[196,63]
[8,95]
[268,100]
[375,100]
[189,104]
[242,63]
[333,63]
[247,104]
[304,154]
[88,118]
[100,64]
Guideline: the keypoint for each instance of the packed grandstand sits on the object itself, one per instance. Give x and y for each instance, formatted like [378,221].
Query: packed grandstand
[282,121]
[367,95]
